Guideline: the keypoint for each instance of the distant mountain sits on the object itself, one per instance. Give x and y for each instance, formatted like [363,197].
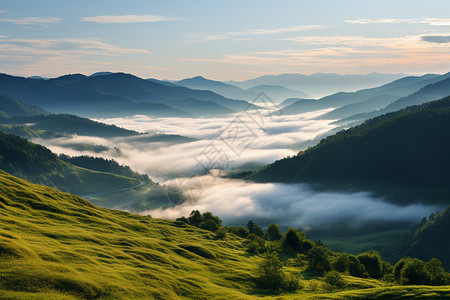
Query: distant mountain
[226,90]
[201,108]
[402,156]
[13,107]
[278,93]
[116,94]
[39,165]
[436,89]
[290,101]
[320,84]
[366,100]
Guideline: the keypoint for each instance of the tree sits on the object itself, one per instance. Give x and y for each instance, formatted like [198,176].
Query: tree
[273,233]
[437,274]
[270,273]
[296,240]
[355,268]
[414,272]
[372,262]
[318,259]
[255,229]
[195,218]
[342,264]
[256,244]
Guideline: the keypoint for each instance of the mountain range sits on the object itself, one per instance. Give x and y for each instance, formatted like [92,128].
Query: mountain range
[319,84]
[276,93]
[115,94]
[347,104]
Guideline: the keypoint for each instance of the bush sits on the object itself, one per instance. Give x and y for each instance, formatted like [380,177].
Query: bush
[256,244]
[273,233]
[270,273]
[296,240]
[342,264]
[318,259]
[240,231]
[334,281]
[372,263]
[221,234]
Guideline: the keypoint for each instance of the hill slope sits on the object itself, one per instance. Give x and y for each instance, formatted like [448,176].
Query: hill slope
[431,239]
[402,155]
[13,107]
[59,246]
[39,165]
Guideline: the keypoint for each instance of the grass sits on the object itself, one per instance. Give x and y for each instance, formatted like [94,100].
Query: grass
[58,246]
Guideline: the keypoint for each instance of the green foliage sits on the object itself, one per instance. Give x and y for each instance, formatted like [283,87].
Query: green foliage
[334,281]
[430,239]
[253,228]
[437,274]
[207,221]
[296,241]
[270,273]
[372,263]
[240,231]
[273,233]
[318,259]
[342,263]
[221,233]
[256,244]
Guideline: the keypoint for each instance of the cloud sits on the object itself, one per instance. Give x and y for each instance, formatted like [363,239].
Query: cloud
[296,205]
[123,19]
[257,32]
[3,11]
[33,21]
[429,21]
[59,56]
[440,39]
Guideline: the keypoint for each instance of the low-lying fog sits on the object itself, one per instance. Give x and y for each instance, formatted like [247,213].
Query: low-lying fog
[227,143]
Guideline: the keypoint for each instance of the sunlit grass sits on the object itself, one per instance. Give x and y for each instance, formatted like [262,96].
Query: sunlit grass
[58,246]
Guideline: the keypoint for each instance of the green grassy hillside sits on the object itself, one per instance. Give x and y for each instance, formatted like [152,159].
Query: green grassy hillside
[58,246]
[39,165]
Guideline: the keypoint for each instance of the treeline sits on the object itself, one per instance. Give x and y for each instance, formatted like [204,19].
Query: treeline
[316,258]
[104,165]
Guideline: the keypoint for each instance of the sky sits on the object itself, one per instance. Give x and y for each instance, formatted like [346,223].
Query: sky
[223,40]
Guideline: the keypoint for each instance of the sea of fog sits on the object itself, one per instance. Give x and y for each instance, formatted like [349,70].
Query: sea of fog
[227,143]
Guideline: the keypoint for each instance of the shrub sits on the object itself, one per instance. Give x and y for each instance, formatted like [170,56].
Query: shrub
[270,273]
[318,259]
[372,263]
[334,281]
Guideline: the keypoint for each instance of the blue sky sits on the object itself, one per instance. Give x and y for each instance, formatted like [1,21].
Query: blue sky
[224,40]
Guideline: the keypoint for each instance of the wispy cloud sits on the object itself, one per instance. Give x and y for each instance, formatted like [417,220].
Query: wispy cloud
[107,19]
[3,11]
[440,39]
[429,21]
[63,46]
[258,32]
[58,56]
[33,21]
